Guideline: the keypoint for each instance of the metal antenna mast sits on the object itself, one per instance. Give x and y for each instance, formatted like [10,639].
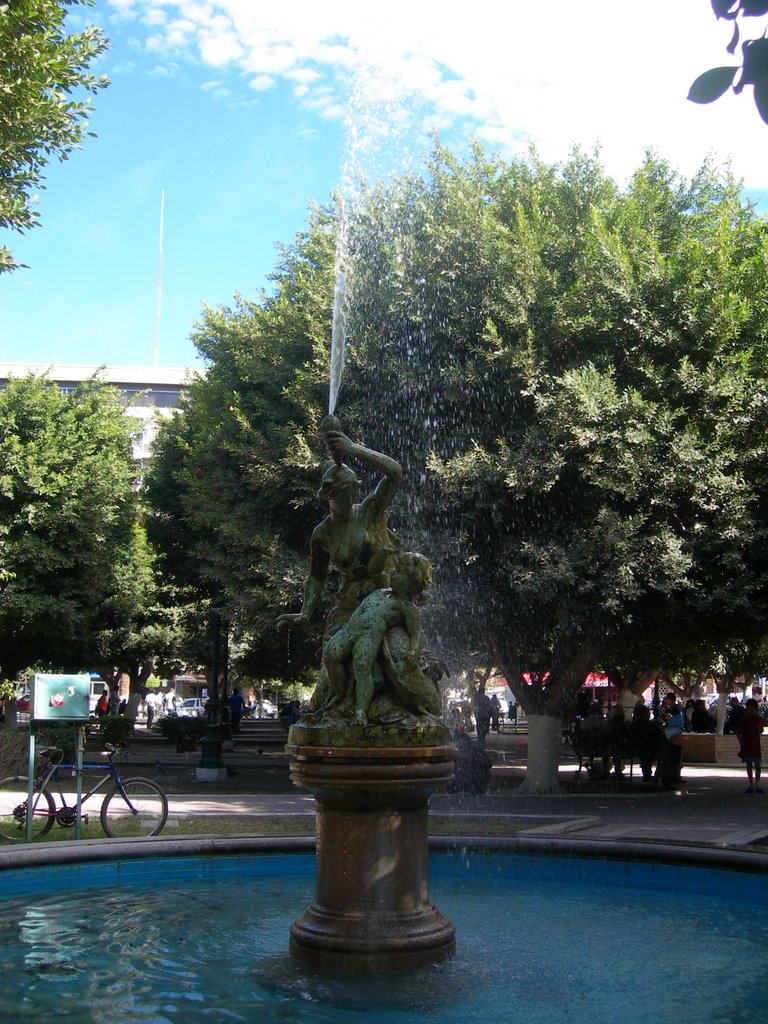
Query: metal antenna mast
[159,294]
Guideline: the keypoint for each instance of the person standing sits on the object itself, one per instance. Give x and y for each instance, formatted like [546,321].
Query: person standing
[701,720]
[512,711]
[236,705]
[114,700]
[149,701]
[102,704]
[671,755]
[749,728]
[482,714]
[496,713]
[736,711]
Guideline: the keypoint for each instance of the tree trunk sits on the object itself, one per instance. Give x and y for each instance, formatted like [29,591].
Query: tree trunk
[11,720]
[137,681]
[723,693]
[544,736]
[626,700]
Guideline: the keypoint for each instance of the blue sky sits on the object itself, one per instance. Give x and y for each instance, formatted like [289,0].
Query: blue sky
[238,110]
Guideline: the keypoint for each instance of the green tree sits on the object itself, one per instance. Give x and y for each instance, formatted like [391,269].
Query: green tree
[581,371]
[42,70]
[67,507]
[143,622]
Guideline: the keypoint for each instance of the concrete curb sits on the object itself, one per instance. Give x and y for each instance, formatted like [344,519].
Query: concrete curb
[95,850]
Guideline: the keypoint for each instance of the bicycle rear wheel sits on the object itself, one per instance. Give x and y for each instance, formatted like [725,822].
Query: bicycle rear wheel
[13,810]
[141,812]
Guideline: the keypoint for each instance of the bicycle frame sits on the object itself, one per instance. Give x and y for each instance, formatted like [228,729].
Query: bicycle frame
[50,781]
[52,777]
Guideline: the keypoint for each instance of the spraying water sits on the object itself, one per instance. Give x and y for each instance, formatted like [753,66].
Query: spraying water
[340,308]
[379,136]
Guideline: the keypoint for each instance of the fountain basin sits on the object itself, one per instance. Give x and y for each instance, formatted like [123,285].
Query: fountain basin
[186,931]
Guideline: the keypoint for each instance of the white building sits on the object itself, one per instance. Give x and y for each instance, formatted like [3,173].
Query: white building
[148,392]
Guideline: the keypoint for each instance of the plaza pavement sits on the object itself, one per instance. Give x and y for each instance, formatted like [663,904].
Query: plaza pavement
[710,808]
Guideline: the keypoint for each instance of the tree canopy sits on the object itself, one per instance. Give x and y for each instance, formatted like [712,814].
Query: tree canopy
[67,509]
[43,69]
[142,628]
[584,369]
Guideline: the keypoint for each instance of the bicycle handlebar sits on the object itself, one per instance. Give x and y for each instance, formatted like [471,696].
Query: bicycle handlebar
[51,752]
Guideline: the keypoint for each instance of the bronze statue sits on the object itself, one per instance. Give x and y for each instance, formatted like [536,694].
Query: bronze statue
[372,670]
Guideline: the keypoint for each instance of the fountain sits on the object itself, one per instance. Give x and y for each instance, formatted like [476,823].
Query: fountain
[371,748]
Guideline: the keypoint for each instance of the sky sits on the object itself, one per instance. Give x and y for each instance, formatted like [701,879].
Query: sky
[241,114]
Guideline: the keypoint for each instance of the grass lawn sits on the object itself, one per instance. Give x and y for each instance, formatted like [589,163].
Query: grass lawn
[279,825]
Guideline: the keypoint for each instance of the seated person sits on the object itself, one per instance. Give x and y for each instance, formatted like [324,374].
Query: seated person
[472,768]
[701,720]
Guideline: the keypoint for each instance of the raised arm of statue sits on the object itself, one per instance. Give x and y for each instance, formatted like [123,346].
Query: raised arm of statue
[392,473]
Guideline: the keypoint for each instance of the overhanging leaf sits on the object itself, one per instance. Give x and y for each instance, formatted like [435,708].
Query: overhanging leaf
[712,84]
[754,8]
[755,66]
[731,47]
[722,8]
[761,97]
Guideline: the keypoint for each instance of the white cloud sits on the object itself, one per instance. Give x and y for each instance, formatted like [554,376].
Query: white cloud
[261,83]
[220,49]
[154,16]
[613,71]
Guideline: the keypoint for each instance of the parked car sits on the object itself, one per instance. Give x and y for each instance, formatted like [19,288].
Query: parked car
[192,707]
[22,707]
[264,709]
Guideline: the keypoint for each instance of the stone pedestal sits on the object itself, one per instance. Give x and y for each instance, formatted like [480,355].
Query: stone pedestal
[371,910]
[210,774]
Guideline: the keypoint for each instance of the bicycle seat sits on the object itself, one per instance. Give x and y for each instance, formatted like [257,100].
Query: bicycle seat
[50,751]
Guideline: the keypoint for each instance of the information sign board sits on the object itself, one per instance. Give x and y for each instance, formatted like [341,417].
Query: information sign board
[60,698]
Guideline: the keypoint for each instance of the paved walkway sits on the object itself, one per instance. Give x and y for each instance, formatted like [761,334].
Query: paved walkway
[710,808]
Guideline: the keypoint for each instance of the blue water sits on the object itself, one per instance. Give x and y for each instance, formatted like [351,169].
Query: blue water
[540,940]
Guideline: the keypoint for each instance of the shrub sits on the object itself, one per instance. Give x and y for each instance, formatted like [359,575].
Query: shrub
[186,733]
[61,735]
[116,729]
[14,752]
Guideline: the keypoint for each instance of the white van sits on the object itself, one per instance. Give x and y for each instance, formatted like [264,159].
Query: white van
[98,686]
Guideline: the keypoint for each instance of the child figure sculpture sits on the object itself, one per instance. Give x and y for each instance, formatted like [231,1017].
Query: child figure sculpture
[362,639]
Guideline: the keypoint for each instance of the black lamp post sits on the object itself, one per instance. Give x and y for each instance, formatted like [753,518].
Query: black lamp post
[211,767]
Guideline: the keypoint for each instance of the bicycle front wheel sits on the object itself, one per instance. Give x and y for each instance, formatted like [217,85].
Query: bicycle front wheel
[139,809]
[13,810]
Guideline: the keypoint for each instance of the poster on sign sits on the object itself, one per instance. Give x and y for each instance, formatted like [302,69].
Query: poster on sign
[60,698]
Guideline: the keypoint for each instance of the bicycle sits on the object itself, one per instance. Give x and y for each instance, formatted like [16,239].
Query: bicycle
[135,807]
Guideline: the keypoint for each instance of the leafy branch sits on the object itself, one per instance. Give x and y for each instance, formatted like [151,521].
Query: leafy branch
[713,84]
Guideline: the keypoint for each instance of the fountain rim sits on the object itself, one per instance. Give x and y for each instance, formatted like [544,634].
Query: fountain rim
[31,856]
